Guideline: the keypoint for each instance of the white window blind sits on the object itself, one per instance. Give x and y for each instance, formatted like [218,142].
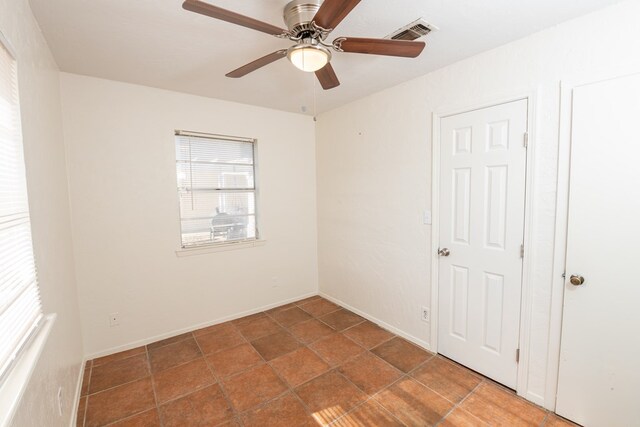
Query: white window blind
[20,310]
[216,188]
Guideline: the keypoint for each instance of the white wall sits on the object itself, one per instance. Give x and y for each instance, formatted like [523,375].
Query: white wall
[121,161]
[374,172]
[60,362]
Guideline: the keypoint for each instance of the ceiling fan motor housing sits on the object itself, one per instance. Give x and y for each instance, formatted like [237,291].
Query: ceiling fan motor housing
[298,15]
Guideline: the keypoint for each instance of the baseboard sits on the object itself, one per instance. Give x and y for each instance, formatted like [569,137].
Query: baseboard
[76,399]
[155,338]
[379,322]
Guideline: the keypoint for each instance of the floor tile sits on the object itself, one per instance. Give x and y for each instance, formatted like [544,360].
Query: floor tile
[401,354]
[299,366]
[174,354]
[368,334]
[341,319]
[461,418]
[219,340]
[206,407]
[336,349]
[495,405]
[181,380]
[119,402]
[118,372]
[310,331]
[307,300]
[253,387]
[118,356]
[248,318]
[276,345]
[149,418]
[280,308]
[220,327]
[414,404]
[168,341]
[330,396]
[233,360]
[86,375]
[290,317]
[369,373]
[452,381]
[82,406]
[258,328]
[368,414]
[319,307]
[286,411]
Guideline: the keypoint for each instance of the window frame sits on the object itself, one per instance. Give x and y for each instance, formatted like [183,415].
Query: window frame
[210,245]
[15,374]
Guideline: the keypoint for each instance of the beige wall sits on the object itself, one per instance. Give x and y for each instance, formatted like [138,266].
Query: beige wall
[59,365]
[121,162]
[374,174]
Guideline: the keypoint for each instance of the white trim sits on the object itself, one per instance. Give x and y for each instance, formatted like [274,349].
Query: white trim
[527,289]
[559,245]
[14,386]
[219,247]
[380,323]
[78,394]
[194,327]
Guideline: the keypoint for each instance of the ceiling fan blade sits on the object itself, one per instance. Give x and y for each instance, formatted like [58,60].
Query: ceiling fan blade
[327,77]
[407,49]
[207,9]
[332,12]
[258,63]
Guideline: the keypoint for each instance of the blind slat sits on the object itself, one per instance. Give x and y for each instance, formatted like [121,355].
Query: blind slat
[20,308]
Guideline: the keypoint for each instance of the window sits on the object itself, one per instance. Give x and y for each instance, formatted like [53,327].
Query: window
[216,188]
[20,310]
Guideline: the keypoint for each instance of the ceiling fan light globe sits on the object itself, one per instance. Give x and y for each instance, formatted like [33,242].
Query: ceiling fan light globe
[309,58]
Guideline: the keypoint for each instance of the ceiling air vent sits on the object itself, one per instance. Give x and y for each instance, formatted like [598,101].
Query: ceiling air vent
[413,31]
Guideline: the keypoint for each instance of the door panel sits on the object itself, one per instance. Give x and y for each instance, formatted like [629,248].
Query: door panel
[599,376]
[482,163]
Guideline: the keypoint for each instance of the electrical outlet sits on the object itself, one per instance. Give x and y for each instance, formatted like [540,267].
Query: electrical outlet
[60,401]
[114,319]
[425,315]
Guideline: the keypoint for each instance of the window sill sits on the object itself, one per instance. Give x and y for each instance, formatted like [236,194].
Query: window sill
[220,247]
[13,388]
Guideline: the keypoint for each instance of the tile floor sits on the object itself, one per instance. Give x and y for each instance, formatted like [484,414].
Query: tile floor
[308,363]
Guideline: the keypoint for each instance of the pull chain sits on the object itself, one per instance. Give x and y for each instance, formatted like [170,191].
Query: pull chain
[315,107]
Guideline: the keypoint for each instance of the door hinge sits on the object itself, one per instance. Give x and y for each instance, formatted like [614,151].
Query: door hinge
[522,250]
[518,355]
[526,140]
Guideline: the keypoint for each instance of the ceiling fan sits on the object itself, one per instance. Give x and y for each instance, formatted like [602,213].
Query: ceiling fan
[309,23]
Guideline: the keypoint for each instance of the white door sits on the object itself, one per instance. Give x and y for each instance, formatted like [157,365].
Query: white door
[482,202]
[599,376]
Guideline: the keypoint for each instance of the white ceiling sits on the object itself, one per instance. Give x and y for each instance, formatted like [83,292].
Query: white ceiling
[157,43]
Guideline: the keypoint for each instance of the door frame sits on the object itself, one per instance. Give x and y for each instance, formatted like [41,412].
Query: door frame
[562,217]
[526,296]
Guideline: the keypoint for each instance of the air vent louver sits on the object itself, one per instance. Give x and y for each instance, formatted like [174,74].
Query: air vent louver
[413,31]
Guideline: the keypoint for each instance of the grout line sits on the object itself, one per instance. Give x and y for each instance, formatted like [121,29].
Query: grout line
[544,420]
[219,382]
[86,404]
[153,386]
[237,413]
[93,365]
[459,404]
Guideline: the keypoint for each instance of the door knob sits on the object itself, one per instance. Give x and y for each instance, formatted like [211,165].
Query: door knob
[444,252]
[576,280]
